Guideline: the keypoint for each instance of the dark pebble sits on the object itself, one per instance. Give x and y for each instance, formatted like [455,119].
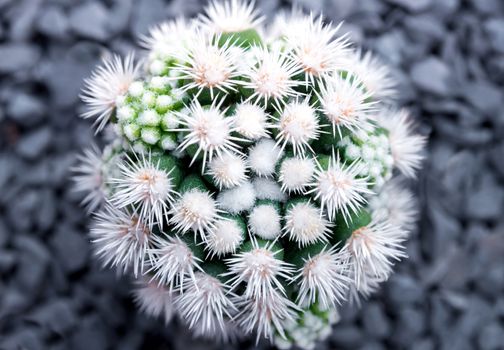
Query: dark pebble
[119,16]
[13,302]
[89,20]
[412,6]
[25,338]
[57,316]
[21,211]
[375,321]
[495,30]
[484,96]
[491,337]
[497,159]
[71,248]
[486,191]
[45,216]
[91,334]
[487,7]
[403,289]
[53,22]
[17,57]
[32,264]
[64,74]
[347,336]
[145,13]
[7,260]
[35,144]
[25,15]
[373,346]
[432,75]
[410,325]
[4,234]
[424,344]
[448,59]
[25,109]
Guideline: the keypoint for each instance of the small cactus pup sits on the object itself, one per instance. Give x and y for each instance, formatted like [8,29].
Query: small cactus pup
[252,180]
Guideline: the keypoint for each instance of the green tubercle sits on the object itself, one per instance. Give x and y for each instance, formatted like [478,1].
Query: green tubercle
[194,244]
[297,256]
[244,39]
[344,229]
[262,243]
[192,182]
[147,115]
[170,165]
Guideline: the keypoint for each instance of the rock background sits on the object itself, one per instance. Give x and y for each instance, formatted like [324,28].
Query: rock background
[449,57]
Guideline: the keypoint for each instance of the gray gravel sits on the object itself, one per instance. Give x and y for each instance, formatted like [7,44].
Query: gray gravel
[449,59]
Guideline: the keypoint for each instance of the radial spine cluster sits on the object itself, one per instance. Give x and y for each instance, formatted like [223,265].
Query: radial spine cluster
[255,179]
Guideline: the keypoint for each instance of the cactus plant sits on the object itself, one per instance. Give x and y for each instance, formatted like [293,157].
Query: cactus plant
[253,181]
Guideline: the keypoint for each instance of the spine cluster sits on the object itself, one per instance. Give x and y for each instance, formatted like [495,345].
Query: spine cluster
[254,181]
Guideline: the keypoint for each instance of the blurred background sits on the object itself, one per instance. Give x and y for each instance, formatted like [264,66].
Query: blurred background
[449,58]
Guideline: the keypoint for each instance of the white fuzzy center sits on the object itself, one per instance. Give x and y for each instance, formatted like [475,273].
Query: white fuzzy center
[298,124]
[228,170]
[211,129]
[226,237]
[305,223]
[250,121]
[264,221]
[296,173]
[263,157]
[197,209]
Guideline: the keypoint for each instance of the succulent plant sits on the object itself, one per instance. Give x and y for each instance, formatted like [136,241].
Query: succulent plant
[252,183]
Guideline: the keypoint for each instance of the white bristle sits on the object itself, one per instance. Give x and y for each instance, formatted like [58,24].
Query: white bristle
[296,174]
[149,117]
[251,121]
[205,304]
[374,75]
[228,170]
[324,279]
[339,189]
[89,178]
[195,211]
[136,89]
[121,240]
[263,157]
[264,221]
[142,183]
[108,82]
[150,135]
[346,105]
[226,237]
[230,16]
[406,147]
[267,188]
[154,300]
[316,47]
[297,126]
[266,315]
[209,130]
[396,203]
[305,224]
[237,199]
[209,64]
[271,78]
[174,264]
[260,269]
[167,39]
[373,250]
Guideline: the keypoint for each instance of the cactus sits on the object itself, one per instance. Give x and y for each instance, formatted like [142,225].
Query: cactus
[253,183]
